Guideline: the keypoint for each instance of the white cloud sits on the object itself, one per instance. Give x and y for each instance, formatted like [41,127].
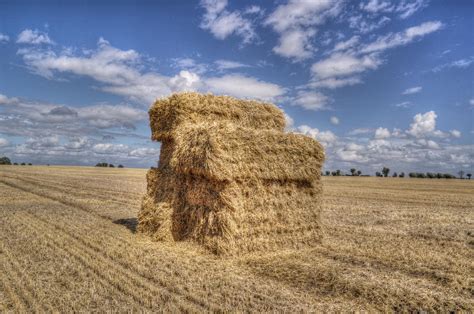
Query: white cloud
[347,44]
[222,23]
[108,149]
[327,138]
[404,104]
[295,44]
[4,38]
[333,83]
[312,100]
[412,90]
[244,86]
[455,133]
[377,6]
[4,142]
[382,133]
[471,102]
[364,26]
[334,120]
[228,65]
[360,131]
[460,64]
[144,152]
[344,65]
[295,22]
[34,37]
[253,9]
[407,8]
[190,65]
[120,73]
[402,38]
[423,124]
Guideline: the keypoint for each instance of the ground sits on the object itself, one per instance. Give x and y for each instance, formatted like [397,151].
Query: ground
[68,243]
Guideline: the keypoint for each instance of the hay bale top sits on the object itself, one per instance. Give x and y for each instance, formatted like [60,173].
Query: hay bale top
[168,114]
[225,151]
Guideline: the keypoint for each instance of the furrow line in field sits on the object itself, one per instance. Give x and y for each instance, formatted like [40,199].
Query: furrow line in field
[91,194]
[89,272]
[100,271]
[25,298]
[91,257]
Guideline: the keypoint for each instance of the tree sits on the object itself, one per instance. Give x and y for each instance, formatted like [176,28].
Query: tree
[430,175]
[338,172]
[401,175]
[469,176]
[395,175]
[23,164]
[412,175]
[439,175]
[378,174]
[30,164]
[334,173]
[121,166]
[385,171]
[5,161]
[353,171]
[111,166]
[102,164]
[359,172]
[461,174]
[16,164]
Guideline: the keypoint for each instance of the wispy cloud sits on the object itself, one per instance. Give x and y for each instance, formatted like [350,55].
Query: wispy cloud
[412,90]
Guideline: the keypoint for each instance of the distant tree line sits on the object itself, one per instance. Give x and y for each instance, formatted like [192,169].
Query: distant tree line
[107,165]
[6,161]
[386,172]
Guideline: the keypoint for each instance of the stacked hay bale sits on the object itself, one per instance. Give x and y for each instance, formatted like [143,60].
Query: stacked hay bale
[230,178]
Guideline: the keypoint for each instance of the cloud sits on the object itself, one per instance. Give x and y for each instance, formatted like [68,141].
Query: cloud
[120,72]
[412,90]
[222,23]
[244,86]
[334,120]
[327,138]
[471,102]
[455,133]
[144,152]
[33,119]
[295,23]
[364,26]
[460,64]
[4,142]
[382,133]
[360,131]
[376,6]
[34,37]
[228,65]
[423,124]
[407,8]
[404,104]
[295,44]
[402,38]
[338,65]
[312,100]
[190,64]
[4,38]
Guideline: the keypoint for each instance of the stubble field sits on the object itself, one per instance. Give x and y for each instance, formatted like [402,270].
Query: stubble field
[68,243]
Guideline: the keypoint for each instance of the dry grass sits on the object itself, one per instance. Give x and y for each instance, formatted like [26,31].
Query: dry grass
[229,177]
[67,243]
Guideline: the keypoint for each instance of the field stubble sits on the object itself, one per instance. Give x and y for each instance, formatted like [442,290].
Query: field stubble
[68,243]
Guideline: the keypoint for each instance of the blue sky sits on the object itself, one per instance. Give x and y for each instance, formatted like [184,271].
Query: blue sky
[379,83]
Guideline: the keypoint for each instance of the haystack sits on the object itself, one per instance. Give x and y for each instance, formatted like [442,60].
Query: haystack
[230,178]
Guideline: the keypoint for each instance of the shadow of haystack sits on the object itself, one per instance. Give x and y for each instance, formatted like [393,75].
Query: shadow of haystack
[130,223]
[230,178]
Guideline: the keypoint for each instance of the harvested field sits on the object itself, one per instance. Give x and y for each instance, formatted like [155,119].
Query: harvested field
[68,243]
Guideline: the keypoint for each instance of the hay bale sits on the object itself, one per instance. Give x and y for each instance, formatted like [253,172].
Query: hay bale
[167,115]
[230,178]
[230,217]
[223,151]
